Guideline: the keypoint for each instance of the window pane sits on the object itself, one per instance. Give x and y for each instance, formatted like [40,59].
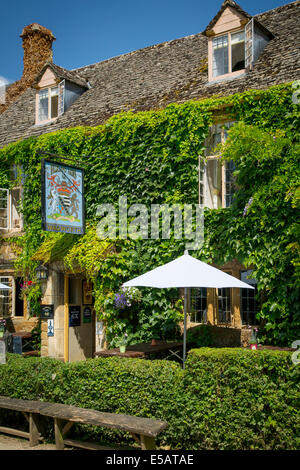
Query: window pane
[237,51]
[224,305]
[3,208]
[54,102]
[229,183]
[249,305]
[5,298]
[214,172]
[220,55]
[199,305]
[214,138]
[43,105]
[226,128]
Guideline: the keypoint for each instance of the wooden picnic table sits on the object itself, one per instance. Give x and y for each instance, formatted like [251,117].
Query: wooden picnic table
[141,350]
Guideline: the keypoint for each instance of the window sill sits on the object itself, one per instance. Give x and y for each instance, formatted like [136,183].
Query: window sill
[45,123]
[226,79]
[12,232]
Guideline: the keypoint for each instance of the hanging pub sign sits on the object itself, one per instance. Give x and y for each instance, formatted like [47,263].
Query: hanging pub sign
[47,311]
[63,207]
[74,315]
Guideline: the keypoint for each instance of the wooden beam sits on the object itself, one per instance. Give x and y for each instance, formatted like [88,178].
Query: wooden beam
[147,443]
[58,432]
[34,429]
[67,427]
[15,432]
[136,438]
[85,445]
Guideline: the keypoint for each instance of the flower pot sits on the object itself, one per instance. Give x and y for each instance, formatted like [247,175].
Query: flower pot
[253,346]
[122,349]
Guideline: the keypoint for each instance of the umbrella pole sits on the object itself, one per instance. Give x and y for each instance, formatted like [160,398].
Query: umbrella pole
[184,327]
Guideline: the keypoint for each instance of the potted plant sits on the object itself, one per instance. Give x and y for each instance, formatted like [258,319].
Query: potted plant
[253,339]
[123,344]
[2,327]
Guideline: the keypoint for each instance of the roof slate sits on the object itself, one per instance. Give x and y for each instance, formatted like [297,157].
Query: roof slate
[150,78]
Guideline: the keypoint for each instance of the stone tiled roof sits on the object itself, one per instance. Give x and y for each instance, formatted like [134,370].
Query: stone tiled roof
[174,71]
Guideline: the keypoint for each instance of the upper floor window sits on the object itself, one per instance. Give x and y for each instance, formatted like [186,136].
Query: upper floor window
[228,53]
[216,180]
[10,216]
[48,104]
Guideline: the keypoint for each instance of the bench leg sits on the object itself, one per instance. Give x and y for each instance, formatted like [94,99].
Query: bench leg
[147,443]
[35,429]
[58,431]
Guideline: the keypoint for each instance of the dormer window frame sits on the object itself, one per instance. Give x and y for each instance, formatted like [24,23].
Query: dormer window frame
[229,74]
[49,104]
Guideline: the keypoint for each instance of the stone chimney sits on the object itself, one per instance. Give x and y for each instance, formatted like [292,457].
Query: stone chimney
[37,45]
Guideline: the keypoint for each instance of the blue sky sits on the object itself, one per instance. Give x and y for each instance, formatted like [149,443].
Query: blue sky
[92,31]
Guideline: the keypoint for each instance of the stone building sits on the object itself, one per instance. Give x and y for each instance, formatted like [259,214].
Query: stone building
[236,52]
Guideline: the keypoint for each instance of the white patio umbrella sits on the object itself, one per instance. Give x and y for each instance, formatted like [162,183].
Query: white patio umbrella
[186,272]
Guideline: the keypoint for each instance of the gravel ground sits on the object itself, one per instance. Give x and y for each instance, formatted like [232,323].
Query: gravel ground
[16,443]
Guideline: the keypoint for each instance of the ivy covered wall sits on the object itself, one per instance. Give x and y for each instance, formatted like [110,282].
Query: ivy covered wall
[152,157]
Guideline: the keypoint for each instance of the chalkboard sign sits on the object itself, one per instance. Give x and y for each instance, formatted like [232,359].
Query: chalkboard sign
[74,315]
[2,352]
[47,311]
[87,315]
[17,345]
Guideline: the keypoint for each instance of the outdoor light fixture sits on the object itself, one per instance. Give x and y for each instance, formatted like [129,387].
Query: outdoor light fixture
[41,273]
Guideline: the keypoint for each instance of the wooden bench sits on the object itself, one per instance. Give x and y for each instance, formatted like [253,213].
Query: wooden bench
[143,430]
[32,411]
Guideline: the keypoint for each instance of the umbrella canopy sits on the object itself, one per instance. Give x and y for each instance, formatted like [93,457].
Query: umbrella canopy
[4,287]
[186,272]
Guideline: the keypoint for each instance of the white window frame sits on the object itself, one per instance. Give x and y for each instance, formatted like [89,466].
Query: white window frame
[216,157]
[10,226]
[5,191]
[49,118]
[7,294]
[229,74]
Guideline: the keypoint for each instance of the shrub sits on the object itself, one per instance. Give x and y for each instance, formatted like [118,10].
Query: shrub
[224,399]
[243,399]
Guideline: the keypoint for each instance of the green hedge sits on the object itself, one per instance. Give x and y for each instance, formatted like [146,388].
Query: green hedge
[225,399]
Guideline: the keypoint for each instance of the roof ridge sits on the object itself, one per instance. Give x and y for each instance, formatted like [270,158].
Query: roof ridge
[277,8]
[137,50]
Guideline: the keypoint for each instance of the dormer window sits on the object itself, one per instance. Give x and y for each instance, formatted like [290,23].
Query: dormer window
[55,94]
[48,104]
[235,42]
[228,53]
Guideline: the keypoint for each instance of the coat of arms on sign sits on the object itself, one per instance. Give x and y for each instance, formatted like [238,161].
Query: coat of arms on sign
[63,207]
[63,201]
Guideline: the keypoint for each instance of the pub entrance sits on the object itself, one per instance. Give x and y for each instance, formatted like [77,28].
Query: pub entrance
[79,319]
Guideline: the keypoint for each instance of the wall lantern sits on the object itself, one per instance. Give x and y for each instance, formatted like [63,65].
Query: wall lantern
[41,273]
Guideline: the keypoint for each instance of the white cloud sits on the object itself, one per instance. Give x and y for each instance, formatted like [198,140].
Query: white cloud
[3,84]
